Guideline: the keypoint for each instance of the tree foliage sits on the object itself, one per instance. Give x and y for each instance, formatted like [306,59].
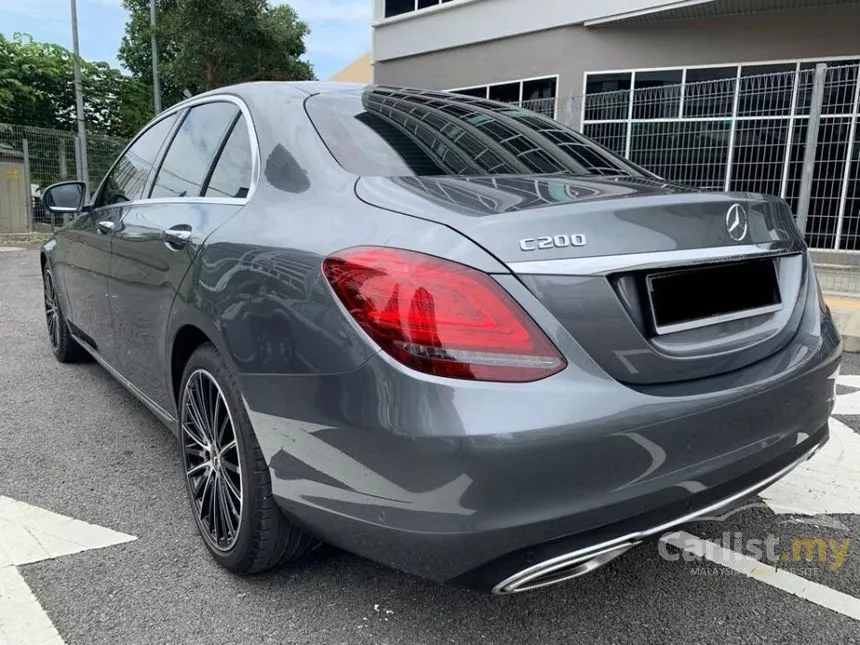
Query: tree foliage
[205,44]
[37,89]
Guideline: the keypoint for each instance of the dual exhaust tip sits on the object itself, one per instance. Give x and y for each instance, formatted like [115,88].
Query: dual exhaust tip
[560,569]
[578,563]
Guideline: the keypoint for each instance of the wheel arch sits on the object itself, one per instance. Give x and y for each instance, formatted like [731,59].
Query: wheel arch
[185,342]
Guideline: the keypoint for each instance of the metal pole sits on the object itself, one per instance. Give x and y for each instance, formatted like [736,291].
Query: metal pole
[733,133]
[25,146]
[631,97]
[64,164]
[156,87]
[811,146]
[77,158]
[79,98]
[789,139]
[849,157]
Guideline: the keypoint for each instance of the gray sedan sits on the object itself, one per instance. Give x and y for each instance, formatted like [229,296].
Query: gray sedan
[444,333]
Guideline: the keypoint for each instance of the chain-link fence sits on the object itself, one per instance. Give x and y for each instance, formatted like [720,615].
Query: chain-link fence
[791,134]
[31,159]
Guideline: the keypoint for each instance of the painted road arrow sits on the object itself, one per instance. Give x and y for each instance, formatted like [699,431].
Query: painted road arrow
[30,534]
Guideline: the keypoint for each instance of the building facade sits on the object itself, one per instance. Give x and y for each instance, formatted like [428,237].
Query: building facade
[709,92]
[531,48]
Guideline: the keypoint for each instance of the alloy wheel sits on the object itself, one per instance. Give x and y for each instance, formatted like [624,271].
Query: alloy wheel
[52,313]
[211,460]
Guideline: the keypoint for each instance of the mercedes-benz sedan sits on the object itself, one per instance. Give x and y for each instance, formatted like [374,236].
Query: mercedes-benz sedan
[444,333]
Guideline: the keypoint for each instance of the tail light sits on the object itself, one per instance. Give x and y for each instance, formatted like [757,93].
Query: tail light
[440,317]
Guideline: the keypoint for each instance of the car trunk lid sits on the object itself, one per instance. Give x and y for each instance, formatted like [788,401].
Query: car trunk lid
[623,263]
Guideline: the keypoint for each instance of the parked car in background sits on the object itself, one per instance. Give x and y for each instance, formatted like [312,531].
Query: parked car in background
[444,333]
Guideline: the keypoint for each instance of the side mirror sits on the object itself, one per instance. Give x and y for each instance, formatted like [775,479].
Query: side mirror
[65,197]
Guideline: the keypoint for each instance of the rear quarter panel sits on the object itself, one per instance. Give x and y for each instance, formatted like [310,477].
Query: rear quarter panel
[258,285]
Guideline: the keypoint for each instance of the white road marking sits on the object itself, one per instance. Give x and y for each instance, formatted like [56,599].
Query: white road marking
[779,578]
[826,484]
[847,403]
[848,380]
[30,534]
[22,619]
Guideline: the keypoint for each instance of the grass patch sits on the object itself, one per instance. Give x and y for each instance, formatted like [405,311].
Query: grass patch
[24,239]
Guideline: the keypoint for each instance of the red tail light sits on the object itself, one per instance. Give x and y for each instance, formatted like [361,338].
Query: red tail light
[440,317]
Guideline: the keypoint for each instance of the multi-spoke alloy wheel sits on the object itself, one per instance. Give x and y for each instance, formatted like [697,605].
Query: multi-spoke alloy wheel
[211,460]
[64,346]
[52,314]
[227,478]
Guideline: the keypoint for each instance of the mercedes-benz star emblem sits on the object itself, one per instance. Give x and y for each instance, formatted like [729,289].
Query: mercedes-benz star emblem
[737,222]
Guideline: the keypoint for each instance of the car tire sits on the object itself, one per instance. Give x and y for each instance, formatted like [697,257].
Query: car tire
[64,347]
[229,486]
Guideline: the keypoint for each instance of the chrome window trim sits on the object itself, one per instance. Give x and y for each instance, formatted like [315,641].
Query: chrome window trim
[233,201]
[155,121]
[604,265]
[175,111]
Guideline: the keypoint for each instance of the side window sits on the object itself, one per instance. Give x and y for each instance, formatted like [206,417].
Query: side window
[192,150]
[232,174]
[128,177]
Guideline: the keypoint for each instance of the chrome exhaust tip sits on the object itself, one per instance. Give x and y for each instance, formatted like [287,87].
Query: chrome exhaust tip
[578,563]
[560,569]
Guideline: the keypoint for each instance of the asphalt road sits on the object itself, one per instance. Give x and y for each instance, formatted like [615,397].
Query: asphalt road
[75,442]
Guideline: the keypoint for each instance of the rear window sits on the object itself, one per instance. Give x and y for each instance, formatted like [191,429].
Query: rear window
[394,132]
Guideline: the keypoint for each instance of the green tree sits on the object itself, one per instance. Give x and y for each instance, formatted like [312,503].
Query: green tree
[37,89]
[205,44]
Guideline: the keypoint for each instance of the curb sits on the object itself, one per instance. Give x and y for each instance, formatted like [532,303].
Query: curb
[850,337]
[846,315]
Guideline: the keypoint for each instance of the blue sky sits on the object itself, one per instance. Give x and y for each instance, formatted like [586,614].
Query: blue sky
[340,29]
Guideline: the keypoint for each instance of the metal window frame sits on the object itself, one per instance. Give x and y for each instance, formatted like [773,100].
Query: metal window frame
[774,61]
[522,82]
[439,6]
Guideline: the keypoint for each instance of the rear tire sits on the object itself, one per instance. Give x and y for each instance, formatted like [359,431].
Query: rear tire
[64,347]
[226,476]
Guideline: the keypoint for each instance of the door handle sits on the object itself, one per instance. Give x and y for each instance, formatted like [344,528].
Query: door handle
[105,227]
[176,237]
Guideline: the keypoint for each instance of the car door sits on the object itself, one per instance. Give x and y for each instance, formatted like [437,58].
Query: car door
[203,180]
[82,260]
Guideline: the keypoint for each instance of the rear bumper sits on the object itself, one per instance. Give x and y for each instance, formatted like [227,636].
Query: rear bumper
[469,483]
[520,571]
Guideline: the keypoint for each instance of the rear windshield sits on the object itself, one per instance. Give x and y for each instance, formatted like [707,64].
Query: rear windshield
[382,131]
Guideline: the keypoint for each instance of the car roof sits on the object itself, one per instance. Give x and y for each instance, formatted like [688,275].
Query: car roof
[262,89]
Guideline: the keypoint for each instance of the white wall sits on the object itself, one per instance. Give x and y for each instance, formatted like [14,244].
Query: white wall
[464,22]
